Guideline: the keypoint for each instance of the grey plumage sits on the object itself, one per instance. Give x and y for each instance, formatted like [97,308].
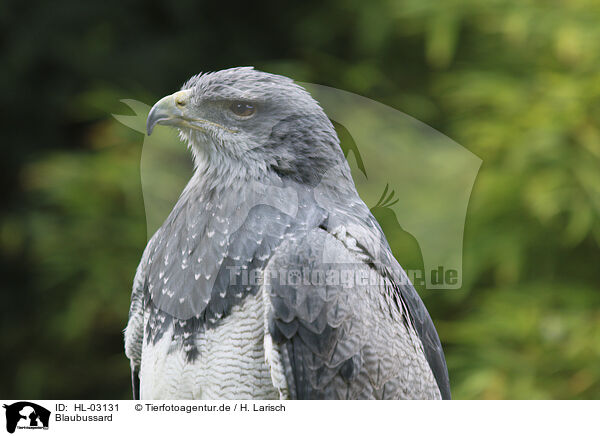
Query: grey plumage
[272,195]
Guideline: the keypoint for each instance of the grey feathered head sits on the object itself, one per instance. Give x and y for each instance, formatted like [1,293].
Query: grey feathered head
[254,121]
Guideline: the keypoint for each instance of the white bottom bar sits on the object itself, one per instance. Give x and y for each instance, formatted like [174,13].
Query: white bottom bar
[368,418]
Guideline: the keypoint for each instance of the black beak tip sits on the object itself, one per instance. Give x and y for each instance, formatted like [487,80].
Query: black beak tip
[150,123]
[154,117]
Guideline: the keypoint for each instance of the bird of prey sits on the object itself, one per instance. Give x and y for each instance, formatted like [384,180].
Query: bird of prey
[270,278]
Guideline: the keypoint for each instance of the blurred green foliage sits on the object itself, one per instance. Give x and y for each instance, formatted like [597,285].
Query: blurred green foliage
[517,83]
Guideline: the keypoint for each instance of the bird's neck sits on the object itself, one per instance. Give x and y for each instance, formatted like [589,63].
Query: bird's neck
[228,182]
[231,179]
[218,171]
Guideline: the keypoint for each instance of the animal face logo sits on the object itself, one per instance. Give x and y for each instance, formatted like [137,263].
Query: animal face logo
[26,415]
[416,180]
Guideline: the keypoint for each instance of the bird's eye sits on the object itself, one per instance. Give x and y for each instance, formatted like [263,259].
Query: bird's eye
[242,109]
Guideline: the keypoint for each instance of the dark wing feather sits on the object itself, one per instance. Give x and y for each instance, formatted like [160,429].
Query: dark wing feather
[429,337]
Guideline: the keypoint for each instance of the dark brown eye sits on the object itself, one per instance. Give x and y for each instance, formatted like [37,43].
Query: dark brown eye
[242,109]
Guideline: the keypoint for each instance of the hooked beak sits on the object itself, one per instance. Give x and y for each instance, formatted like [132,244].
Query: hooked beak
[170,110]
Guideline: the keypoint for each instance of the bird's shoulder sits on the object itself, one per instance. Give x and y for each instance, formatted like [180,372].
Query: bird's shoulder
[337,327]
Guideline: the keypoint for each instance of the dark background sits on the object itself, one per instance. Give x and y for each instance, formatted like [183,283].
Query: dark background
[515,82]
